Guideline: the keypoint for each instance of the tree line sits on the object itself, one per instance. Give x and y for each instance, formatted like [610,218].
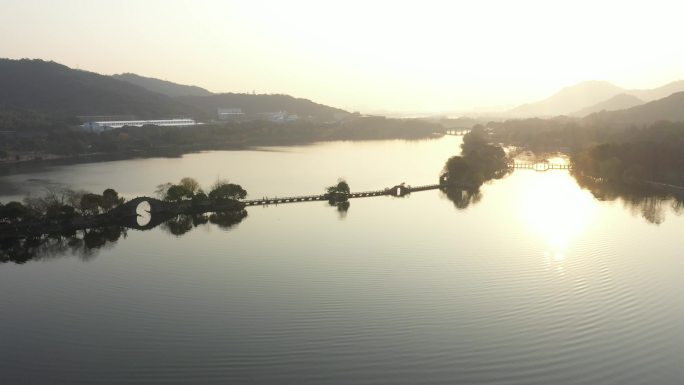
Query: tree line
[64,140]
[65,204]
[621,153]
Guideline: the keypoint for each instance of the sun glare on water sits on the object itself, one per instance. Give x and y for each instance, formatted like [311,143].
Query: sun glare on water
[554,209]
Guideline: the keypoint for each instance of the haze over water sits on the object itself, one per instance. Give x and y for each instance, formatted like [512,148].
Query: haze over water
[536,283]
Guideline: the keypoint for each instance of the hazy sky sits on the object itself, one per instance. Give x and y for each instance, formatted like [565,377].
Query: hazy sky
[368,55]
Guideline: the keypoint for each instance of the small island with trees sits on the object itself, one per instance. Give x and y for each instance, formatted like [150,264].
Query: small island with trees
[64,211]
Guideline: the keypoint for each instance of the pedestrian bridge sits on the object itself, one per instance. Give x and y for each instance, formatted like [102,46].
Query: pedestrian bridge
[396,191]
[540,166]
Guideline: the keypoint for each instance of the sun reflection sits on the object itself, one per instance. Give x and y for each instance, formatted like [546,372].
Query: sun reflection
[554,208]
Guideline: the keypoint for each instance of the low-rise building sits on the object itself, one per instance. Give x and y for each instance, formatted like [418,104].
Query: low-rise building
[277,117]
[101,126]
[230,114]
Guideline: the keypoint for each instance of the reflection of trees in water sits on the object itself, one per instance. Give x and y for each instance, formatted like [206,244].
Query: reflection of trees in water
[86,244]
[183,223]
[462,197]
[227,219]
[342,208]
[178,225]
[646,201]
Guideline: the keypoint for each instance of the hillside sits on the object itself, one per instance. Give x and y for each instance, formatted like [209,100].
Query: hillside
[162,86]
[55,90]
[569,100]
[617,102]
[593,96]
[40,95]
[254,104]
[660,92]
[670,108]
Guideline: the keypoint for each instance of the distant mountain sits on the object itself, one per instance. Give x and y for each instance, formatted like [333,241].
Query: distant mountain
[569,100]
[617,102]
[588,97]
[56,90]
[254,104]
[162,86]
[670,108]
[660,92]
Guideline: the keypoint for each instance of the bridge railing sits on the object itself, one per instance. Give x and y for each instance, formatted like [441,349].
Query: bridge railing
[540,166]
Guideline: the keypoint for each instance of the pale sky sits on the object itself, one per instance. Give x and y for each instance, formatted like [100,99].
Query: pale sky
[412,56]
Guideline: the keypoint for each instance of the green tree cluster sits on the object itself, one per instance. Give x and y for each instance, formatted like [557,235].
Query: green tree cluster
[189,189]
[653,154]
[338,193]
[13,212]
[95,203]
[59,204]
[479,162]
[222,190]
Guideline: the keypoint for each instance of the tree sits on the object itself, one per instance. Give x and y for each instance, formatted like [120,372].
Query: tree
[186,189]
[177,193]
[53,197]
[13,211]
[342,187]
[161,190]
[474,140]
[224,190]
[458,170]
[90,203]
[200,196]
[338,193]
[190,184]
[64,212]
[110,199]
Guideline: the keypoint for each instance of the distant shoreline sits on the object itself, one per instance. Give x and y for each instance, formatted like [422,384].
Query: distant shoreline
[42,161]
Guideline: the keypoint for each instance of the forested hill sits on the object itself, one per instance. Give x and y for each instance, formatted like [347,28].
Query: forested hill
[254,104]
[162,86]
[661,120]
[57,91]
[670,108]
[617,102]
[39,95]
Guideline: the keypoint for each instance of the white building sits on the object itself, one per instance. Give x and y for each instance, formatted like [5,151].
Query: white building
[230,114]
[112,124]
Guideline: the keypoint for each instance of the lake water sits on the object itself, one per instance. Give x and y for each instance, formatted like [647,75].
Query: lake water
[535,282]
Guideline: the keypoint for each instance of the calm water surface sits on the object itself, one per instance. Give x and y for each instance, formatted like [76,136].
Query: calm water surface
[536,283]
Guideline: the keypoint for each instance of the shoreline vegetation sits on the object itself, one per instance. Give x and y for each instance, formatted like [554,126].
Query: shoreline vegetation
[630,154]
[63,211]
[608,171]
[40,121]
[641,165]
[67,145]
[480,162]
